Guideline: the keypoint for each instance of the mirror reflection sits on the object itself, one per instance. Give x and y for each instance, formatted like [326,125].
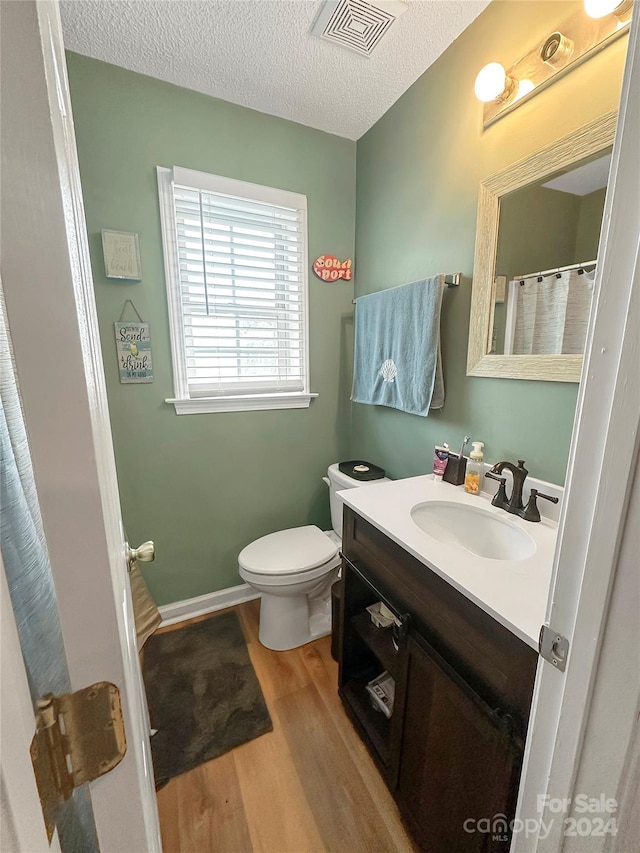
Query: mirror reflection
[546,259]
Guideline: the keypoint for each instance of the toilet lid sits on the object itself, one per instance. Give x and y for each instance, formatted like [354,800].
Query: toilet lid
[287,551]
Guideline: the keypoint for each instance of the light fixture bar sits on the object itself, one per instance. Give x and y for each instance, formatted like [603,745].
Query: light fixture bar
[575,40]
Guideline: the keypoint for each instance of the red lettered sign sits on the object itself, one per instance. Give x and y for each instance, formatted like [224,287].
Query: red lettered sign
[329,268]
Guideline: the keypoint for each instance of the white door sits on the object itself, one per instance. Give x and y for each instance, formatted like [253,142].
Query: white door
[598,529]
[48,290]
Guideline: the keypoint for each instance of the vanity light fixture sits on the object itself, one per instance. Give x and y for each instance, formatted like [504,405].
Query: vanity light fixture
[582,35]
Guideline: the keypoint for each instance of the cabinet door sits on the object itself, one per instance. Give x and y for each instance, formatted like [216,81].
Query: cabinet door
[459,761]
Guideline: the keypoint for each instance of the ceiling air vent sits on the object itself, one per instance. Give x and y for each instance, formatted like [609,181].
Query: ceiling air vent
[355,24]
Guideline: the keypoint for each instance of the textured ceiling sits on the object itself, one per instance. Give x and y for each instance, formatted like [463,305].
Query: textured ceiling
[259,53]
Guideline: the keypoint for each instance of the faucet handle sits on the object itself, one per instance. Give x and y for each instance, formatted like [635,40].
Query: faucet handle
[521,465]
[500,497]
[531,511]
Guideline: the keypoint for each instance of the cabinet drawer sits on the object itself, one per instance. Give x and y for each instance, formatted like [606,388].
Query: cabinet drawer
[495,663]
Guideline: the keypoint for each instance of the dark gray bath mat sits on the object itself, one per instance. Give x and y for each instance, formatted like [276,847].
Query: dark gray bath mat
[203,694]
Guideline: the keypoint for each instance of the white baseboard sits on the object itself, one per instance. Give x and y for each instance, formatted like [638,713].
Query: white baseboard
[178,611]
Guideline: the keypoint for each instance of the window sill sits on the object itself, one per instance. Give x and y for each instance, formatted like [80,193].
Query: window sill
[241,403]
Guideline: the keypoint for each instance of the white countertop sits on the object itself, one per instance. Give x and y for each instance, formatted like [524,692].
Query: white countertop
[514,592]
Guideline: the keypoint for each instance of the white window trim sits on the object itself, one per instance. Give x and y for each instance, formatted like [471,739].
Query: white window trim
[183,403]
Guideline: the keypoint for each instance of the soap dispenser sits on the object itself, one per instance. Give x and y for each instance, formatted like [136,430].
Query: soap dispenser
[475,469]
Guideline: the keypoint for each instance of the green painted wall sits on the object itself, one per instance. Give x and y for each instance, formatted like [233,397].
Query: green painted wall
[419,169]
[538,228]
[589,225]
[203,486]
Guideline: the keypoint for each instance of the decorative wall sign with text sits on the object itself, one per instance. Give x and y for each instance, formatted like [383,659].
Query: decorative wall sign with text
[121,255]
[133,345]
[329,268]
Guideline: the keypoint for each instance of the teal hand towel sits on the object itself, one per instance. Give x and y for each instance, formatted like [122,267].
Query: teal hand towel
[397,348]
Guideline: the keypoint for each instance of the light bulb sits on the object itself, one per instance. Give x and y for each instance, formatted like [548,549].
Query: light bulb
[600,8]
[524,87]
[492,83]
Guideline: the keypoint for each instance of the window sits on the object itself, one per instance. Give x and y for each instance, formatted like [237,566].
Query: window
[236,269]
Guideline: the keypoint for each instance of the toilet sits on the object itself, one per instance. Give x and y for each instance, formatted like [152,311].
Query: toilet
[294,569]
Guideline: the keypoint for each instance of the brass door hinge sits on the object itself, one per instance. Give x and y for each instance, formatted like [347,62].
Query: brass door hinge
[79,737]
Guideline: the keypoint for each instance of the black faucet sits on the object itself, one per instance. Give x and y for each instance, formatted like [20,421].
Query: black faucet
[514,504]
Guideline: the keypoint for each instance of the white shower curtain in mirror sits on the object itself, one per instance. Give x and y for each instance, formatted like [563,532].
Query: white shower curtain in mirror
[551,314]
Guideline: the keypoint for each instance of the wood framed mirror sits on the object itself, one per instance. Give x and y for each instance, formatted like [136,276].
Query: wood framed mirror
[545,182]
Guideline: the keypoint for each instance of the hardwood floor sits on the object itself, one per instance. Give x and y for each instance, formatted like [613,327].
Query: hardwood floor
[306,787]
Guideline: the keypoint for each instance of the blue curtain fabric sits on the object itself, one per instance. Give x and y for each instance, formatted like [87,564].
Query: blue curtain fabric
[31,586]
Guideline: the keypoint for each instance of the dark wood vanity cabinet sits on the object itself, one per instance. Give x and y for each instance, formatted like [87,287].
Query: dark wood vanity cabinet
[451,751]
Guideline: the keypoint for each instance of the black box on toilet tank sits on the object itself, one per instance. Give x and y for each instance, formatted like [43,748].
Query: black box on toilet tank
[360,470]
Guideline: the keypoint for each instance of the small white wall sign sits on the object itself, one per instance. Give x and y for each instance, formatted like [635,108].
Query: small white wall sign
[133,345]
[121,255]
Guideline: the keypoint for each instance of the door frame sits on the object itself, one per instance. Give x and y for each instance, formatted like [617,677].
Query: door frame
[599,481]
[52,317]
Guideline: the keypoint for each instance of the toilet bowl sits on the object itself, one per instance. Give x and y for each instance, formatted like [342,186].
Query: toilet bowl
[293,570]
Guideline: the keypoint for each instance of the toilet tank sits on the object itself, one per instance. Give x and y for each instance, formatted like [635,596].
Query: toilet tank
[337,481]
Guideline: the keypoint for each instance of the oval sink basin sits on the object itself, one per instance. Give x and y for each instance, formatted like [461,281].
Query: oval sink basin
[473,528]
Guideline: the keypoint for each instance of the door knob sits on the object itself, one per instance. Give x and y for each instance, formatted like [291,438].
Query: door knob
[145,553]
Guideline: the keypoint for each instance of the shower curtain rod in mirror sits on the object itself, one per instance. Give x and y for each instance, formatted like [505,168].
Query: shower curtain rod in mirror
[451,279]
[554,270]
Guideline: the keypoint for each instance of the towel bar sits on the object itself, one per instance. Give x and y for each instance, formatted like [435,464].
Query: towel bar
[451,280]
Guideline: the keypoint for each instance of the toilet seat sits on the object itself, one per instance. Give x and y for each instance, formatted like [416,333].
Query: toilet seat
[289,552]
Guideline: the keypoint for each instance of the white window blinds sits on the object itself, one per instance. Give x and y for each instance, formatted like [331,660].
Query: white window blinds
[241,268]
